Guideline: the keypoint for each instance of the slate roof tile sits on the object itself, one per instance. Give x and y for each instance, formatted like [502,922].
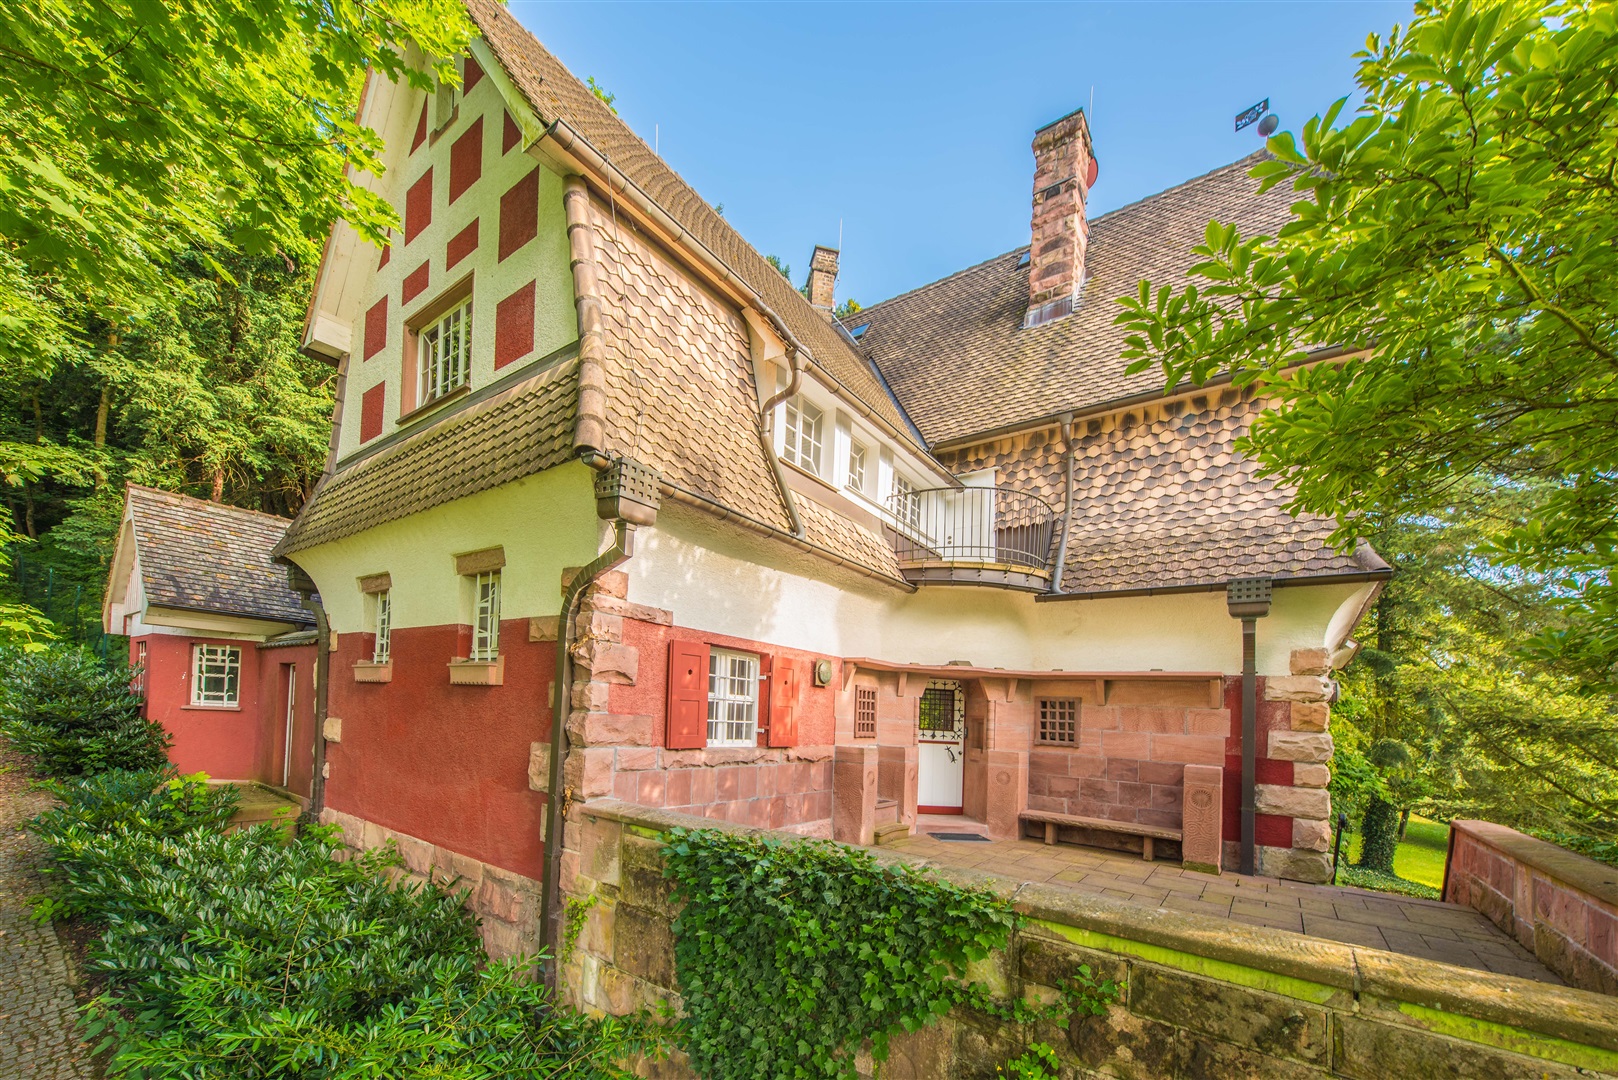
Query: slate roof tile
[197,555]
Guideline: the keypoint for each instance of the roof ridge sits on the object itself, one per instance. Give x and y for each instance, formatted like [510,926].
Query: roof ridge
[1102,217]
[130,485]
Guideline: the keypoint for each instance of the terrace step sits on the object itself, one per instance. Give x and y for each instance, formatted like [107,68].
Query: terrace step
[893,830]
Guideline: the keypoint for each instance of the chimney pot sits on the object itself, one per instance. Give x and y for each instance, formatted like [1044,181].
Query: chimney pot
[822,278]
[1064,169]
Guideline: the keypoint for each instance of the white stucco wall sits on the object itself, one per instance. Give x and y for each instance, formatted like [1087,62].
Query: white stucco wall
[545,522]
[718,580]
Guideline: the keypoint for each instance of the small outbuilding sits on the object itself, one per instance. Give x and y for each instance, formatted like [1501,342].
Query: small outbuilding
[224,648]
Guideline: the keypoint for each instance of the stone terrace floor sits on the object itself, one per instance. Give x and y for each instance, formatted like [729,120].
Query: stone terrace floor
[1412,927]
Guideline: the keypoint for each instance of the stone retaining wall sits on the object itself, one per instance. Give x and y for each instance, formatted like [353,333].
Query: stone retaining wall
[1562,906]
[1203,998]
[507,904]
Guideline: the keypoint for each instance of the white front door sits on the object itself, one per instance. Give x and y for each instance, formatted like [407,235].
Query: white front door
[941,748]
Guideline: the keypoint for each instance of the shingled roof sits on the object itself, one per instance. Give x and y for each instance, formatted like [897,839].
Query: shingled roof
[555,93]
[197,555]
[522,430]
[955,352]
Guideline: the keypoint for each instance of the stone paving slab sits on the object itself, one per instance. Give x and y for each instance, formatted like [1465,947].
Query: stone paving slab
[1406,925]
[38,1013]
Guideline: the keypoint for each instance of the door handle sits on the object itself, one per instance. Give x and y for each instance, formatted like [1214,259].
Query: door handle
[951,754]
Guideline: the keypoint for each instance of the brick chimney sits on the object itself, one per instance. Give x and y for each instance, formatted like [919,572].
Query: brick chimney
[1064,169]
[822,278]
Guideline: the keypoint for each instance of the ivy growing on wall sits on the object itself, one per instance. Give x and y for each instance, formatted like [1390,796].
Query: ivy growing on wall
[791,955]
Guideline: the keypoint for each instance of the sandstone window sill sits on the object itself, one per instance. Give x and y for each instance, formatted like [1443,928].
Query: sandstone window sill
[210,708]
[369,671]
[477,672]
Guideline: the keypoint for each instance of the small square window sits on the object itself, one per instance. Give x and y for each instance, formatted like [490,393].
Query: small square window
[865,712]
[856,466]
[1059,721]
[732,698]
[486,616]
[216,672]
[802,437]
[384,627]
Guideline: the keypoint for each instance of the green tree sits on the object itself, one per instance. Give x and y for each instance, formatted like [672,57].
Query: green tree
[1458,237]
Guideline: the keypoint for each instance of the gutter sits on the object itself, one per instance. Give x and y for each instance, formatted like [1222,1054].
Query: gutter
[1067,507]
[1147,397]
[766,417]
[1350,578]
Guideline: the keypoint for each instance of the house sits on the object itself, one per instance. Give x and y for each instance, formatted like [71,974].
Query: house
[225,649]
[613,510]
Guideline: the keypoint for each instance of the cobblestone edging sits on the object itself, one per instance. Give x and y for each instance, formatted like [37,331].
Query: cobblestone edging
[37,1008]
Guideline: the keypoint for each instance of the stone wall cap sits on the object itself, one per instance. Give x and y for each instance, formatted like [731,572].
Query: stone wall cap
[1560,1012]
[1578,872]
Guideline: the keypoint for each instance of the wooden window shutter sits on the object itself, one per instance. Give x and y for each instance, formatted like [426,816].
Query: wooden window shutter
[688,696]
[784,681]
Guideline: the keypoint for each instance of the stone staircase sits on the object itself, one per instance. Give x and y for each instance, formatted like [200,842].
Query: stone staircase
[888,825]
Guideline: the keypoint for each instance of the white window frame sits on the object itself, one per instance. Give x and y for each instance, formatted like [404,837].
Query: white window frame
[444,354]
[216,662]
[858,454]
[906,497]
[801,435]
[485,616]
[140,666]
[732,698]
[382,652]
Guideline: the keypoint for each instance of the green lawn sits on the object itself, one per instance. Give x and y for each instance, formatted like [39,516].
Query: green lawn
[1419,858]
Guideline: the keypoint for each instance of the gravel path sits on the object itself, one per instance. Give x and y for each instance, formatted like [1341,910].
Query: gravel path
[37,1008]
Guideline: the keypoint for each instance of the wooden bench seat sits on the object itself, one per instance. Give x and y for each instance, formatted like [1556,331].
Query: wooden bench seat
[1147,833]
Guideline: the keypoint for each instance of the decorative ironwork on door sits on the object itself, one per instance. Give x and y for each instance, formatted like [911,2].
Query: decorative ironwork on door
[943,712]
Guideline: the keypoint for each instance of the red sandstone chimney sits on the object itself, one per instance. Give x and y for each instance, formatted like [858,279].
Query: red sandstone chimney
[1064,169]
[822,278]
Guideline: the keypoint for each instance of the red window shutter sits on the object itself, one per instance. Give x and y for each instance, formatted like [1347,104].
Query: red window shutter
[784,702]
[688,696]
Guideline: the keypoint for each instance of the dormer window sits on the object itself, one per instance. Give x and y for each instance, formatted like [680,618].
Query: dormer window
[446,354]
[856,466]
[802,436]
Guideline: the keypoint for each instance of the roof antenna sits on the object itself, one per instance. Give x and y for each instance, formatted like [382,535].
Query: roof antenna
[657,139]
[1090,113]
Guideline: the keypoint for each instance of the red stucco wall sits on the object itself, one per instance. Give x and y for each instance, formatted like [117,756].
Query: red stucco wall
[247,742]
[447,764]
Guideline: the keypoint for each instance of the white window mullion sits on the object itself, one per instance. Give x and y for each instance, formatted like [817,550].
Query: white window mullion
[732,698]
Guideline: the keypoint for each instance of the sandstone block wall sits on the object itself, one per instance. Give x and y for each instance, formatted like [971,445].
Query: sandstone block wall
[1203,998]
[1562,906]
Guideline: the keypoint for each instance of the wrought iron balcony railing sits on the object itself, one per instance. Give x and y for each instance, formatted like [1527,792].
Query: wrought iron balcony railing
[939,531]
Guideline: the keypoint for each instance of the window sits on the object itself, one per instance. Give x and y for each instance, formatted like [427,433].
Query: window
[1059,721]
[803,435]
[139,685]
[942,710]
[859,331]
[906,503]
[216,675]
[732,698]
[856,466]
[865,712]
[486,616]
[445,355]
[384,627]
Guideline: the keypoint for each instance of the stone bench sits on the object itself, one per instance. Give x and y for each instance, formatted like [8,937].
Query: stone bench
[1149,834]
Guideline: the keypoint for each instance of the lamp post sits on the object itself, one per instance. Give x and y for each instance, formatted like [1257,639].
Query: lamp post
[1248,599]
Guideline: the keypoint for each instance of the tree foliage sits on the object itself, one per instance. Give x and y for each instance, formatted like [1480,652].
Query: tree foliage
[76,716]
[1459,237]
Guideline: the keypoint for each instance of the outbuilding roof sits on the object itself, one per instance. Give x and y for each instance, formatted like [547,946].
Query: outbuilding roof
[196,555]
[955,351]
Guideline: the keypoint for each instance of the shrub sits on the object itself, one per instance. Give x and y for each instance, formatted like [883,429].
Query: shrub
[76,716]
[247,955]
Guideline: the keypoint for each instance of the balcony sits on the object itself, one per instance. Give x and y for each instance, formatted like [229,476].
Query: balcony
[973,536]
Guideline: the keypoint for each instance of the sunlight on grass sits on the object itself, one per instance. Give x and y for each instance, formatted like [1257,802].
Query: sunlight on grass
[1419,857]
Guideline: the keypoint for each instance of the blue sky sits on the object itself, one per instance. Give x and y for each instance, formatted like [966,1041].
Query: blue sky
[910,123]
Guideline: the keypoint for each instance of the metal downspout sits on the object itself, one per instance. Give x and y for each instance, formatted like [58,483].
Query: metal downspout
[766,422]
[1067,506]
[317,782]
[561,705]
[1249,742]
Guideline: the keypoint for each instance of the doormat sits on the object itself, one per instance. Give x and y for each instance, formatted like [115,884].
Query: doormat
[963,836]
